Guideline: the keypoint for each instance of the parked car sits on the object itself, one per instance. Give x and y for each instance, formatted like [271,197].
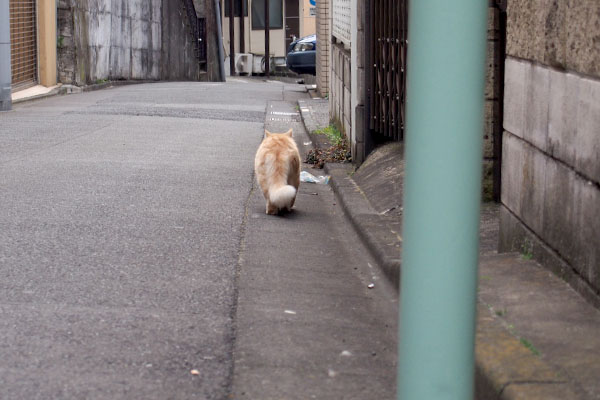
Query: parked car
[301,56]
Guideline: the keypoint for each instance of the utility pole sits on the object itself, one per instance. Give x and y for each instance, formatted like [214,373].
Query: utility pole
[5,74]
[267,25]
[231,39]
[242,28]
[444,131]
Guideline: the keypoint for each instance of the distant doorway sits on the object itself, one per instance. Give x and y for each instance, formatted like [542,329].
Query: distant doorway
[292,22]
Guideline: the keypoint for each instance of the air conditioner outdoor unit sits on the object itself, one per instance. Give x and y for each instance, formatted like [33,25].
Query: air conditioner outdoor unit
[243,63]
[258,64]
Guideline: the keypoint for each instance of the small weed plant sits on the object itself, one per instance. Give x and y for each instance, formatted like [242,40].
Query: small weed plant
[339,151]
[530,346]
[333,134]
[527,250]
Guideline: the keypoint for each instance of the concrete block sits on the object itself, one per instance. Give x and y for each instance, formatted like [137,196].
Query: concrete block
[347,104]
[331,105]
[487,182]
[523,180]
[558,33]
[333,59]
[521,29]
[361,86]
[574,122]
[561,208]
[120,63]
[587,152]
[562,116]
[588,195]
[156,10]
[360,49]
[583,31]
[360,15]
[358,153]
[492,111]
[571,224]
[347,127]
[359,131]
[537,94]
[514,236]
[155,36]
[555,29]
[347,71]
[514,96]
[493,21]
[492,84]
[139,34]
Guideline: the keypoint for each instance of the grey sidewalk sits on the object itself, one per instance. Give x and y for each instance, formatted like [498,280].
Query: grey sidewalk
[308,325]
[536,337]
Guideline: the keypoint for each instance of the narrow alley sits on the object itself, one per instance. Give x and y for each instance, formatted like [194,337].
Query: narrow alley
[137,261]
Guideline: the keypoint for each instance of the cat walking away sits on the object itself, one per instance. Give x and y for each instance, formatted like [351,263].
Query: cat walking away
[277,168]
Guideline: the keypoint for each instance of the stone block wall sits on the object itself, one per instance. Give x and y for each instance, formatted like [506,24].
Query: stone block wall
[339,92]
[101,40]
[323,47]
[551,143]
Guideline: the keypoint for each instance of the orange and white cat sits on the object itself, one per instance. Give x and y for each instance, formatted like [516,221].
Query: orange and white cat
[277,168]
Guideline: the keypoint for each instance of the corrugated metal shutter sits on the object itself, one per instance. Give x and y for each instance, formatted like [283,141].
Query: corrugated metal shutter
[23,43]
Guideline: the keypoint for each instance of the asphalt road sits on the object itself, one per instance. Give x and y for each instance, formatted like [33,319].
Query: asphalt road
[120,227]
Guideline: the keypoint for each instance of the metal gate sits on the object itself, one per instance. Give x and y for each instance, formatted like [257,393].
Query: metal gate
[23,43]
[386,75]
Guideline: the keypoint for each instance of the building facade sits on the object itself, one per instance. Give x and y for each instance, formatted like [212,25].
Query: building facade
[289,19]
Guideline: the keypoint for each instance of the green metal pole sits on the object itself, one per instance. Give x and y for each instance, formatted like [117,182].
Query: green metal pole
[444,130]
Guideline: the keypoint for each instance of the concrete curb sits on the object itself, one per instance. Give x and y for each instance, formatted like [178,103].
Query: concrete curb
[507,370]
[369,225]
[504,368]
[72,89]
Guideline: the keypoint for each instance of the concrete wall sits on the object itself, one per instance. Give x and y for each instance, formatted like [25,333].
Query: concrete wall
[124,39]
[339,92]
[323,57]
[551,143]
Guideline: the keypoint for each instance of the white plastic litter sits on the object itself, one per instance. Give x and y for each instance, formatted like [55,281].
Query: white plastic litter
[310,178]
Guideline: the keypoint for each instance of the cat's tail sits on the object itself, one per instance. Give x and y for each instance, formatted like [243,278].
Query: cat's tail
[282,196]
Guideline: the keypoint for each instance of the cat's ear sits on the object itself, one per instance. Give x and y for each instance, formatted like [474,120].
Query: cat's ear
[267,133]
[289,133]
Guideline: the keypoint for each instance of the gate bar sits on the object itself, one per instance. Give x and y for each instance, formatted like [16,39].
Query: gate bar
[5,78]
[267,49]
[445,99]
[231,39]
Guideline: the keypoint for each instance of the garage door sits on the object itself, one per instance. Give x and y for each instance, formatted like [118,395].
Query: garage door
[23,43]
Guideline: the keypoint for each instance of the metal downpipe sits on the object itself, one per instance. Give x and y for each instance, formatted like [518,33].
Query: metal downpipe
[444,131]
[220,41]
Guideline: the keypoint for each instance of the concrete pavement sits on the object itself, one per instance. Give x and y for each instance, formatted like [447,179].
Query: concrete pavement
[120,224]
[129,225]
